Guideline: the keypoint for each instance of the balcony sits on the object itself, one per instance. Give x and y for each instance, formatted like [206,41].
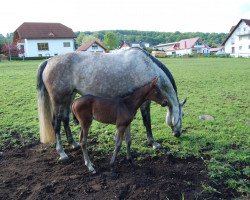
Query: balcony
[241,33]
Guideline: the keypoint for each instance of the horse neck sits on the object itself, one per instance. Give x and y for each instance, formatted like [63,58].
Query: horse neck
[138,97]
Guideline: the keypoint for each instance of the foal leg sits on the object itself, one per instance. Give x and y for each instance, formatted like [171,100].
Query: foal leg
[118,144]
[145,112]
[83,143]
[128,143]
[59,146]
[70,139]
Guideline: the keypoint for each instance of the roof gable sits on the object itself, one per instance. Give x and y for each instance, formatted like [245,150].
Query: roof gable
[247,21]
[34,30]
[86,45]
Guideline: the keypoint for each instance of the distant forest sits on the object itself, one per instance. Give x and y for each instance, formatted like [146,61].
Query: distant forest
[154,38]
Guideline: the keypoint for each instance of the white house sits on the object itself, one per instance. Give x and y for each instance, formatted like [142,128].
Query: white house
[92,46]
[185,47]
[237,42]
[44,39]
[217,51]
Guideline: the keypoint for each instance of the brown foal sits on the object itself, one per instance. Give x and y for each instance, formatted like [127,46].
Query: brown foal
[119,111]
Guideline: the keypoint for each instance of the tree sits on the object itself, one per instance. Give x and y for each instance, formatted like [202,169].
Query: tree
[82,38]
[11,49]
[2,42]
[110,40]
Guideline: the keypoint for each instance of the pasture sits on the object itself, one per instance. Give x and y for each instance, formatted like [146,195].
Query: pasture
[219,87]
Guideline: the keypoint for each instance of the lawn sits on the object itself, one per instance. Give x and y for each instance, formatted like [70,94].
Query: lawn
[216,86]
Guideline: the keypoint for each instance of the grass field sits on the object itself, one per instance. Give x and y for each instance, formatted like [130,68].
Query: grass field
[216,86]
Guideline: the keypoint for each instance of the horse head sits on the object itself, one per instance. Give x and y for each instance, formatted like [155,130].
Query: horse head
[174,118]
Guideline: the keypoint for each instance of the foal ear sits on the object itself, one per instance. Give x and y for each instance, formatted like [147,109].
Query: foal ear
[154,81]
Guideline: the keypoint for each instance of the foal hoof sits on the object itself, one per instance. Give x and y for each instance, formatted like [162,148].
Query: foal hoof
[156,145]
[75,145]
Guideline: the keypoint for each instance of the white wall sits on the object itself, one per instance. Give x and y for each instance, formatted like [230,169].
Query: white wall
[183,52]
[241,38]
[98,49]
[55,47]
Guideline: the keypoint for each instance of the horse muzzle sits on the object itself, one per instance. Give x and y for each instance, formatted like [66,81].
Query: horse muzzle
[177,134]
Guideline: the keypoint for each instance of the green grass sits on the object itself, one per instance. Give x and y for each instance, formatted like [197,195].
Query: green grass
[216,86]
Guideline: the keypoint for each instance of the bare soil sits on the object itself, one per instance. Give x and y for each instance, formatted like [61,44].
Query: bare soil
[33,172]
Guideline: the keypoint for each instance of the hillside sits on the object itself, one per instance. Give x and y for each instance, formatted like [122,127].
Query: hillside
[154,38]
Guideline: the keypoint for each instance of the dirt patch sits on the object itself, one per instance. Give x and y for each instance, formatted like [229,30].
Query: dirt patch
[34,173]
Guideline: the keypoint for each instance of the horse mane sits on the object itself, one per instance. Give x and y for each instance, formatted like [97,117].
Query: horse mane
[160,65]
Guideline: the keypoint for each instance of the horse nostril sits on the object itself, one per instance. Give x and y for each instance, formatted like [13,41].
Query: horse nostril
[164,103]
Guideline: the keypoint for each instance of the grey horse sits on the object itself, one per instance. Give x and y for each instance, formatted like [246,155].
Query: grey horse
[105,75]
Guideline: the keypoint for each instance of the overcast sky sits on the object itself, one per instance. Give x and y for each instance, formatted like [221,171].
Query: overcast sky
[145,15]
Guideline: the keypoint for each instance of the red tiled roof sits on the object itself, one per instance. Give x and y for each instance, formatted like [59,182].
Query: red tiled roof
[35,30]
[86,45]
[247,21]
[188,43]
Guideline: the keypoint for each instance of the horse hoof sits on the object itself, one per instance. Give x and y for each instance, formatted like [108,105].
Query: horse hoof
[156,145]
[64,159]
[75,146]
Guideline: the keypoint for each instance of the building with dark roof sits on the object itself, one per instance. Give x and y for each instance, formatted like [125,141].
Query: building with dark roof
[93,46]
[237,43]
[38,39]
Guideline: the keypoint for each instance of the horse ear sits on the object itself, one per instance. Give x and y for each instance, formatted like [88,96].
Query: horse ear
[182,103]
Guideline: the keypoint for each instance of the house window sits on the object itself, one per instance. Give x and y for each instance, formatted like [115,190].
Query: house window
[66,44]
[240,47]
[43,46]
[248,46]
[233,50]
[94,47]
[40,55]
[240,38]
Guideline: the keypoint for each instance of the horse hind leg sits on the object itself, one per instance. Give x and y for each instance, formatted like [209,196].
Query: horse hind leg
[68,132]
[59,146]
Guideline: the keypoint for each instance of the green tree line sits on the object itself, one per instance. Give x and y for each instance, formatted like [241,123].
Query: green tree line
[154,38]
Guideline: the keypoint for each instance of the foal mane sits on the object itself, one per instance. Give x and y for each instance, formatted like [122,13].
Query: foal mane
[160,65]
[131,92]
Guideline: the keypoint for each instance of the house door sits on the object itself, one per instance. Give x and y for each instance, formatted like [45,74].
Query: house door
[233,50]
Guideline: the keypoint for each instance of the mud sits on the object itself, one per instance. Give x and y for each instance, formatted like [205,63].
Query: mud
[33,172]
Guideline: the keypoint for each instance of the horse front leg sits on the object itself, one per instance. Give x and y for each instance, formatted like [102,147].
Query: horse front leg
[118,144]
[83,143]
[145,112]
[59,146]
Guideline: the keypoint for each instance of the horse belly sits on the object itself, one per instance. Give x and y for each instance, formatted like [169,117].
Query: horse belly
[104,118]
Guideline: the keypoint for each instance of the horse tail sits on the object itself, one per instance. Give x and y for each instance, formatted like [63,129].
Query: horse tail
[47,133]
[75,119]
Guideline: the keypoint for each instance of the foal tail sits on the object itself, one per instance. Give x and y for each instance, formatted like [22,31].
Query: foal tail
[47,134]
